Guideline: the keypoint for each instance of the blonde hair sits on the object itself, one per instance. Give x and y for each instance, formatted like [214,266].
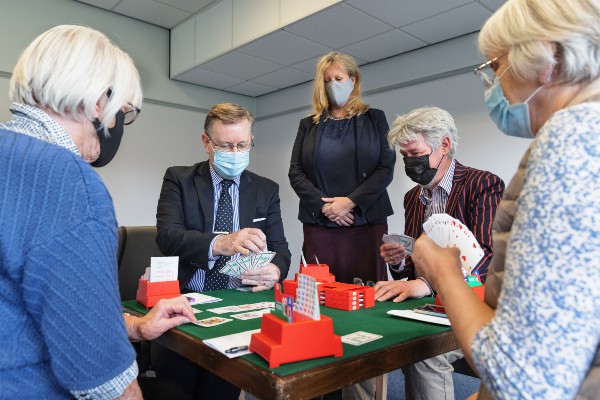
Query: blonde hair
[69,68]
[320,102]
[537,34]
[227,113]
[432,123]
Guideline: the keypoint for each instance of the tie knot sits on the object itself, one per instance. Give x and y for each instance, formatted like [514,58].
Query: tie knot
[226,184]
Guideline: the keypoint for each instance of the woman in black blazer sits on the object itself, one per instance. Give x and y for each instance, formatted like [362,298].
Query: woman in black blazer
[340,168]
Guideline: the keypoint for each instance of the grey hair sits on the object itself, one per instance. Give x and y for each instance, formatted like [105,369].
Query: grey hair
[539,34]
[70,68]
[433,123]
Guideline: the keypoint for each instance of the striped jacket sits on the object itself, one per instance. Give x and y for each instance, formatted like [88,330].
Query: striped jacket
[473,200]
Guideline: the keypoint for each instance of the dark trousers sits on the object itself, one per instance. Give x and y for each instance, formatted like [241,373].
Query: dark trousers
[196,382]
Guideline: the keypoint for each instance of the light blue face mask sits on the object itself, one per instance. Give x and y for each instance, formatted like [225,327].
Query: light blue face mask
[512,119]
[338,93]
[230,164]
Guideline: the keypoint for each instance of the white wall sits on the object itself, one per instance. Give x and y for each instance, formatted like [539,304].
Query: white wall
[168,130]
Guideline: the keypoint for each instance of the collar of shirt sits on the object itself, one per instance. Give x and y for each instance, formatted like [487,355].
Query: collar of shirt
[34,122]
[445,184]
[216,179]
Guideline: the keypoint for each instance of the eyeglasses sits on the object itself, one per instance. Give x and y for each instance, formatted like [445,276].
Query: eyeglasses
[485,71]
[359,282]
[231,147]
[131,114]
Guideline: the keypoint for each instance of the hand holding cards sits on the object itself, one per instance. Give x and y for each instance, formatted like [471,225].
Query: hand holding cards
[446,231]
[235,268]
[406,241]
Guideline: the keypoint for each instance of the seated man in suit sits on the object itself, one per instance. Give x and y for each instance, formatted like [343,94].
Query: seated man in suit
[427,140]
[214,211]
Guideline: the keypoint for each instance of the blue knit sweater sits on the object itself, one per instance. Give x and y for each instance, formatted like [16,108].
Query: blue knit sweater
[61,326]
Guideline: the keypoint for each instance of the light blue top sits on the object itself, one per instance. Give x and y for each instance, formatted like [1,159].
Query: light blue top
[546,330]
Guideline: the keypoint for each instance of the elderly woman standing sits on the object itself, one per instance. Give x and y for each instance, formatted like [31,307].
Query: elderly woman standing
[340,168]
[538,334]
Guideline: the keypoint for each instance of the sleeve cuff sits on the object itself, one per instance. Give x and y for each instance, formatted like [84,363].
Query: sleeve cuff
[111,389]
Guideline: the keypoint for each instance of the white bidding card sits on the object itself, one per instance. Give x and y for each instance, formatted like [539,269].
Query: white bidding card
[163,269]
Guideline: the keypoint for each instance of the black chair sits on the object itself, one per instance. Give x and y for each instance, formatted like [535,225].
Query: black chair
[138,245]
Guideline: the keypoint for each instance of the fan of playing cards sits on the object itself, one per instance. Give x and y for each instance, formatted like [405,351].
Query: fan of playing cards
[446,231]
[236,268]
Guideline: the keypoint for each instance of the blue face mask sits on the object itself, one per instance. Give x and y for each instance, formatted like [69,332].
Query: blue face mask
[338,93]
[230,164]
[513,119]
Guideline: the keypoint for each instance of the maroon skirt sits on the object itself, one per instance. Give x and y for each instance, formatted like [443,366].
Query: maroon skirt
[350,251]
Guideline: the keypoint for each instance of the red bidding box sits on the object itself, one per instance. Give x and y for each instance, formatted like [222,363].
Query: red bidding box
[148,293]
[281,342]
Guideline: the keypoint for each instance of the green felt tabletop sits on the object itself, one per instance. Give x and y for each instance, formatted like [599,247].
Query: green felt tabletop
[373,320]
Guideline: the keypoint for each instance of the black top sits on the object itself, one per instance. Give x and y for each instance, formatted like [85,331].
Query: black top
[367,166]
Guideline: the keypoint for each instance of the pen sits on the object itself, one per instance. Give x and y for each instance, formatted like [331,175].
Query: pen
[236,349]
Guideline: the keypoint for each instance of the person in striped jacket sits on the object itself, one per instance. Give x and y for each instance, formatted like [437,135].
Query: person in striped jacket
[427,139]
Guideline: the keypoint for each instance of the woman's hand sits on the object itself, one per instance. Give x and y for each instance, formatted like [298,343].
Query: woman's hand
[336,208]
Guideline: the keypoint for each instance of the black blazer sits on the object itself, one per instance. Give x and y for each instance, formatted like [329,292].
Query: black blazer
[375,170]
[184,217]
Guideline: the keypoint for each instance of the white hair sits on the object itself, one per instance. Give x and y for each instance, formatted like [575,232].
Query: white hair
[432,123]
[537,34]
[70,68]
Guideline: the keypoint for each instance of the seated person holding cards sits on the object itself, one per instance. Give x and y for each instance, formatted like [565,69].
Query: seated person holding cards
[65,335]
[216,211]
[537,336]
[427,139]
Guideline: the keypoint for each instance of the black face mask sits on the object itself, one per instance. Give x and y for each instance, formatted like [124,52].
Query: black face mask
[417,169]
[109,145]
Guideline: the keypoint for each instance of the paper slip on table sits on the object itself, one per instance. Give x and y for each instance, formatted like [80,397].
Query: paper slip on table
[404,342]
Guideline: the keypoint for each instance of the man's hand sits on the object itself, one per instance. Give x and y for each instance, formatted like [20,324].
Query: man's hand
[392,253]
[262,278]
[400,290]
[166,314]
[244,241]
[433,262]
[337,209]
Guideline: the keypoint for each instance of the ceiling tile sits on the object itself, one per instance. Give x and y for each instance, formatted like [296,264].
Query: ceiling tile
[106,4]
[383,46]
[402,12]
[283,78]
[208,78]
[492,4]
[152,11]
[338,26]
[240,65]
[251,89]
[308,66]
[191,6]
[456,22]
[283,48]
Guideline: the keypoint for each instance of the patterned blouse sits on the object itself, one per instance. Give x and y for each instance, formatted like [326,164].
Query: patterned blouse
[546,330]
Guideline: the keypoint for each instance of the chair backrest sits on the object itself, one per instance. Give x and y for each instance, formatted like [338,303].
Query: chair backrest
[139,244]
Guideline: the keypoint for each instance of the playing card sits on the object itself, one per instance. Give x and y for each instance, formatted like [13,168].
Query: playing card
[264,258]
[360,337]
[446,231]
[406,241]
[212,321]
[251,314]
